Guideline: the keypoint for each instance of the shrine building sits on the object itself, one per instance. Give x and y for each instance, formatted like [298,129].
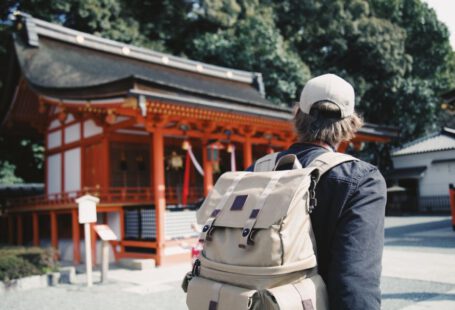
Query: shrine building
[146,132]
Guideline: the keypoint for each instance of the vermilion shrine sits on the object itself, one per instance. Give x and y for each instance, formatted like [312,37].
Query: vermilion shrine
[147,133]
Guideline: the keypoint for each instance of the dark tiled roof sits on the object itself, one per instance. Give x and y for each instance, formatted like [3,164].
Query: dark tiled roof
[56,59]
[443,140]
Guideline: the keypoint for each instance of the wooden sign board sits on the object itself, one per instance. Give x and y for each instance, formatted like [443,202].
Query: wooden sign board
[105,233]
[87,209]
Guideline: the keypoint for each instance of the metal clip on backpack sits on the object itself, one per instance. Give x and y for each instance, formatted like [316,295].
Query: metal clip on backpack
[259,248]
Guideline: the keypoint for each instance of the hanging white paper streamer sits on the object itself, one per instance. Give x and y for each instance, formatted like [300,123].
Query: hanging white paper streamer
[195,162]
[233,163]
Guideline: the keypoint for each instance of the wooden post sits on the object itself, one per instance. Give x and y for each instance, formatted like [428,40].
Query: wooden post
[20,230]
[247,152]
[10,229]
[54,230]
[35,222]
[76,237]
[93,242]
[208,169]
[159,191]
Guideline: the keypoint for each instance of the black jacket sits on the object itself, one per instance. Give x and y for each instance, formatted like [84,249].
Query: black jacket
[348,224]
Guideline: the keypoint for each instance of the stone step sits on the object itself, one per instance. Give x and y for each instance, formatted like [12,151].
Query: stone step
[136,263]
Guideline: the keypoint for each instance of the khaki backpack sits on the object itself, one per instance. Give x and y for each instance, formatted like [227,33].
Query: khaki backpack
[259,250]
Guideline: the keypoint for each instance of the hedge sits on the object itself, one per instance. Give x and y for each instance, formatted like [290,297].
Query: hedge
[18,262]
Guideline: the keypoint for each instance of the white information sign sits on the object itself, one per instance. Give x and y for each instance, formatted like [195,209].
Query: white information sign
[87,208]
[105,233]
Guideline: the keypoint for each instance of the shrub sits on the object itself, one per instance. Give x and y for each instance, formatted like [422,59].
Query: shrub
[14,267]
[17,262]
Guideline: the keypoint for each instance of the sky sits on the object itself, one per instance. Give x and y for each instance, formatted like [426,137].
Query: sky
[445,10]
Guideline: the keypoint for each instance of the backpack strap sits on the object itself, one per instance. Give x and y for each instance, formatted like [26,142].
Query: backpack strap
[266,163]
[321,165]
[328,160]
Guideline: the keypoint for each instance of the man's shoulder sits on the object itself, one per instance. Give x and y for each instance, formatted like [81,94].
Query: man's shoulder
[354,171]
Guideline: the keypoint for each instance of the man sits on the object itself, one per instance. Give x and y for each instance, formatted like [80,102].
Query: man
[348,221]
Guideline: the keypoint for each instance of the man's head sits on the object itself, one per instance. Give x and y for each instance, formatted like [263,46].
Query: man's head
[326,111]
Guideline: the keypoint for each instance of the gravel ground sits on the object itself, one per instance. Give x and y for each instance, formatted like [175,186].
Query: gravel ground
[404,285]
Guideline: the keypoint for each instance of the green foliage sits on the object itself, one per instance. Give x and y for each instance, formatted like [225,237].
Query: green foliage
[7,175]
[21,160]
[255,44]
[18,262]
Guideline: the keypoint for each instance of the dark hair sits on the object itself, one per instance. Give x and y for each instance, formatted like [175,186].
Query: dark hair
[324,123]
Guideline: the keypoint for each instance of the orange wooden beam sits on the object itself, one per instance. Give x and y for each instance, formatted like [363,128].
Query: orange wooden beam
[54,230]
[35,224]
[20,229]
[76,237]
[159,190]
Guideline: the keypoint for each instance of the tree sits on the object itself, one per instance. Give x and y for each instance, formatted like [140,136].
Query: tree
[395,52]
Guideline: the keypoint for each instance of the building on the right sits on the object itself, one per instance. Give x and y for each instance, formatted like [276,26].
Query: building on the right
[423,170]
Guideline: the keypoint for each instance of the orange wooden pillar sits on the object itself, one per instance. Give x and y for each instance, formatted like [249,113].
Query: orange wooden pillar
[159,191]
[208,168]
[105,171]
[452,203]
[93,240]
[343,147]
[247,152]
[54,230]
[76,237]
[20,229]
[35,224]
[10,229]
[122,228]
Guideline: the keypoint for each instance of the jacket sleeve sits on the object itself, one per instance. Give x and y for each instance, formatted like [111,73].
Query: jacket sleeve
[354,272]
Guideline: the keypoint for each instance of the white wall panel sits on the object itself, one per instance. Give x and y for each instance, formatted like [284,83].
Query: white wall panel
[73,133]
[72,170]
[69,119]
[54,124]
[91,129]
[54,174]
[54,139]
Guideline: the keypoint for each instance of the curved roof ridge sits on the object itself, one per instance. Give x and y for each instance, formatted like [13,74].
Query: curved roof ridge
[425,143]
[36,27]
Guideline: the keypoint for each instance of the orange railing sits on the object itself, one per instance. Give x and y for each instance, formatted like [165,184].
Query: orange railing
[113,195]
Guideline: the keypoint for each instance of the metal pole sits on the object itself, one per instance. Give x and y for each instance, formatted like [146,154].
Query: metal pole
[88,254]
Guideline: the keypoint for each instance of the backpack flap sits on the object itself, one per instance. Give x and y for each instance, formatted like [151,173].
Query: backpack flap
[264,196]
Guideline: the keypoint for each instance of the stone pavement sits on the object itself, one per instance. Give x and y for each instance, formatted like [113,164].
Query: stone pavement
[418,273]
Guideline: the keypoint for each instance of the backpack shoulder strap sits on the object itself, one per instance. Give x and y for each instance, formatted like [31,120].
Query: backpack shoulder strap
[328,160]
[266,163]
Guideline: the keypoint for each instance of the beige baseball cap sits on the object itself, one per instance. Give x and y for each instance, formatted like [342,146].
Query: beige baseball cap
[328,87]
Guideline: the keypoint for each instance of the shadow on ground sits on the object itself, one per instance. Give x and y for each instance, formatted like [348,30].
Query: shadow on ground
[431,234]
